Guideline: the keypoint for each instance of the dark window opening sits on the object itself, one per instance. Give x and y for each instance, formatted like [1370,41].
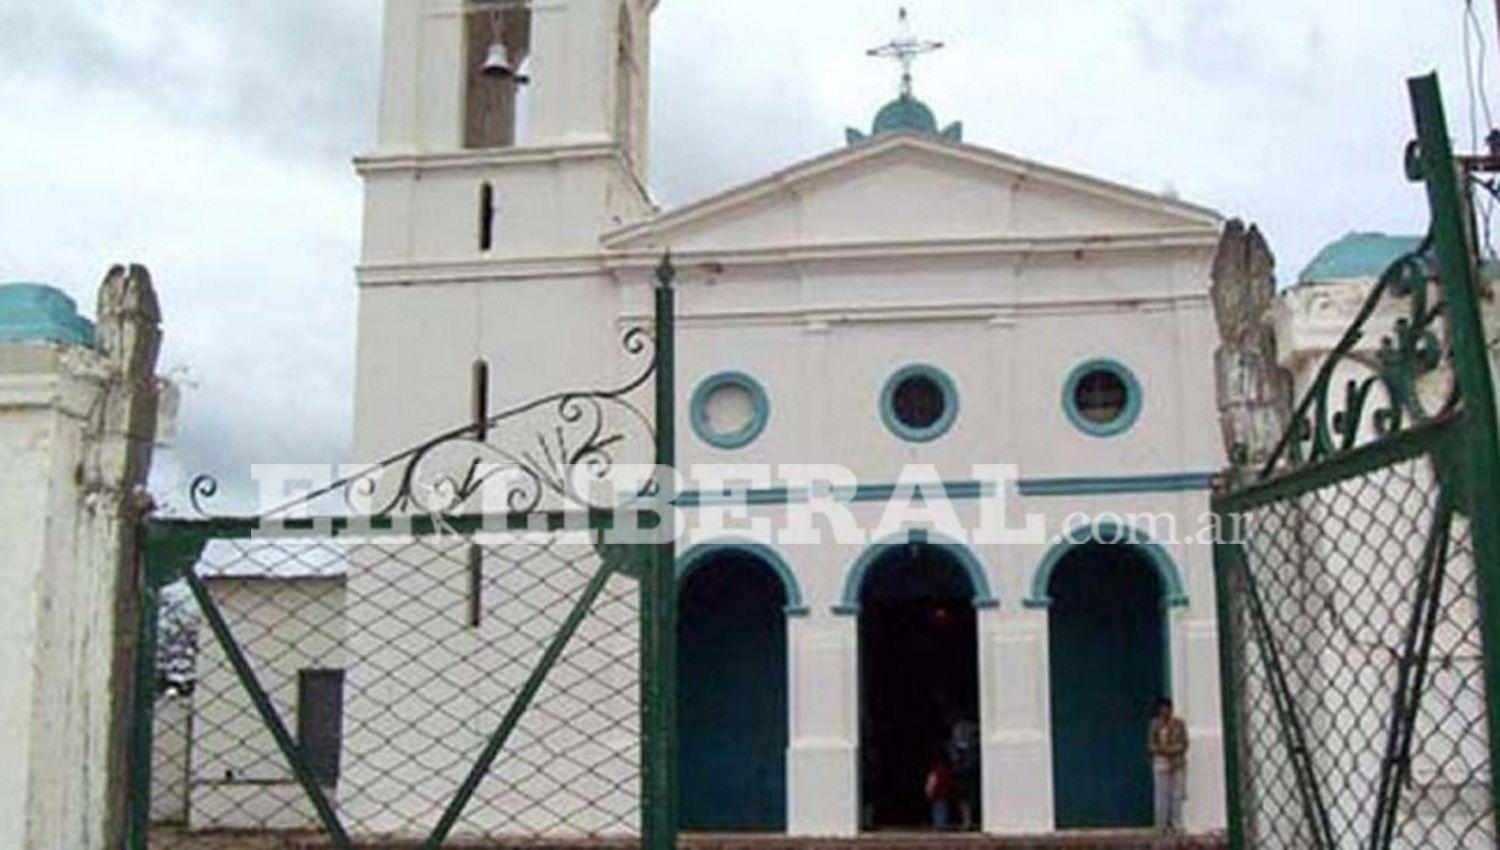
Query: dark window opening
[919,402]
[320,721]
[486,217]
[1101,396]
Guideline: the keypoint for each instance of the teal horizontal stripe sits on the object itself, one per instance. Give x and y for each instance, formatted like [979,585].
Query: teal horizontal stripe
[862,493]
[961,490]
[1171,482]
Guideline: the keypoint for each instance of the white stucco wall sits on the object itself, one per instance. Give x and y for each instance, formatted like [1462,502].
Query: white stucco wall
[238,778]
[171,753]
[56,619]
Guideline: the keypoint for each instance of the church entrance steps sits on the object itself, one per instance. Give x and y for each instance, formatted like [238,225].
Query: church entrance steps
[1084,840]
[1103,840]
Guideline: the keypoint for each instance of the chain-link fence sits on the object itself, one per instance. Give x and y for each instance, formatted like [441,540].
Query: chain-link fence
[392,664]
[1361,693]
[1358,575]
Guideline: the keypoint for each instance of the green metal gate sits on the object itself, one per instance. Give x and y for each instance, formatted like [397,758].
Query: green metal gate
[1359,576]
[412,671]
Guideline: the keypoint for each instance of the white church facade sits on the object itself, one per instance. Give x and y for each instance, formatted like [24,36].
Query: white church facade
[910,307]
[908,299]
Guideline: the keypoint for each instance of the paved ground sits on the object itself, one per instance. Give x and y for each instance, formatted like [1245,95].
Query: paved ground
[170,839]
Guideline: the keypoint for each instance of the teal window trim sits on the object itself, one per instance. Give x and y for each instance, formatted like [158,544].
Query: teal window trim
[698,410]
[973,568]
[703,553]
[1134,398]
[1108,532]
[937,429]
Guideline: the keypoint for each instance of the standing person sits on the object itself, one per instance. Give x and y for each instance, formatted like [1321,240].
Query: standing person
[1168,744]
[963,754]
[938,789]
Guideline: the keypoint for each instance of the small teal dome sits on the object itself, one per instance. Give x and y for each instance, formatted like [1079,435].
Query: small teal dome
[906,114]
[36,312]
[1358,255]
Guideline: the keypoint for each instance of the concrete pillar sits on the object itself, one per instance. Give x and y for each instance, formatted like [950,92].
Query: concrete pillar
[1254,391]
[77,422]
[1015,722]
[823,756]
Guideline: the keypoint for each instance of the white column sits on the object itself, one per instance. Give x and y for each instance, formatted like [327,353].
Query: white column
[1196,673]
[823,755]
[1013,682]
[45,396]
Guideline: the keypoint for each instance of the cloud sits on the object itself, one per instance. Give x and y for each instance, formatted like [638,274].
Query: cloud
[211,140]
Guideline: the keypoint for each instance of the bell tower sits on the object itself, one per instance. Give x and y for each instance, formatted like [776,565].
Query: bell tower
[507,129]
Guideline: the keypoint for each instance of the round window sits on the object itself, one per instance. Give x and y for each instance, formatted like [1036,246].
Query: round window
[729,410]
[1102,398]
[919,403]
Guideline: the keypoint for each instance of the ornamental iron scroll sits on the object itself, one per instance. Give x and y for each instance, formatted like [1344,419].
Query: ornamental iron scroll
[1403,383]
[563,449]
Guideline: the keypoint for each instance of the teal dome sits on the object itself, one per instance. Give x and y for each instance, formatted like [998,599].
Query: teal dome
[36,312]
[906,114]
[1358,255]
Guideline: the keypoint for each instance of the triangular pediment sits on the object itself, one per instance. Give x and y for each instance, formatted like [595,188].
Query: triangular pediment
[907,188]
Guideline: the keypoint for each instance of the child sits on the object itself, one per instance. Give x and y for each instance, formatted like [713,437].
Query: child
[939,790]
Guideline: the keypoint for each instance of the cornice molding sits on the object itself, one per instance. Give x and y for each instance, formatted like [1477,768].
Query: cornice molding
[465,160]
[529,268]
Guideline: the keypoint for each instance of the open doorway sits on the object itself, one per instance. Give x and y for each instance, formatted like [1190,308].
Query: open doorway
[919,687]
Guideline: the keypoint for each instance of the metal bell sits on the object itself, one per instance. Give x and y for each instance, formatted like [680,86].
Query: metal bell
[497,64]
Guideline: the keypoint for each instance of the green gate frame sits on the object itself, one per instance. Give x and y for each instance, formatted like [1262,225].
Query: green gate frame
[171,548]
[1462,439]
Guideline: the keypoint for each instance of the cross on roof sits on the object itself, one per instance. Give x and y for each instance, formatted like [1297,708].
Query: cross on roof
[905,48]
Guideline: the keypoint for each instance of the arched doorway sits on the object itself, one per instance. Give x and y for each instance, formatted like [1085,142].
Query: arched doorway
[919,679]
[732,692]
[1107,645]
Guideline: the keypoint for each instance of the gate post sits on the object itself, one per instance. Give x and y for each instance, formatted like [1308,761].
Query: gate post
[659,598]
[1453,242]
[78,418]
[1227,557]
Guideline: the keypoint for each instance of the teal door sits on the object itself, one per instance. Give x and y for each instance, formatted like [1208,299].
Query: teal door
[1108,668]
[732,697]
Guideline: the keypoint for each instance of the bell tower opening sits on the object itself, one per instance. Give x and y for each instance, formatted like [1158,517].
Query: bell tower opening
[497,42]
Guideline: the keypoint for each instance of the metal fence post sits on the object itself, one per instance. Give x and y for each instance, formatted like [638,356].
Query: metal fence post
[143,714]
[1456,268]
[659,599]
[1227,555]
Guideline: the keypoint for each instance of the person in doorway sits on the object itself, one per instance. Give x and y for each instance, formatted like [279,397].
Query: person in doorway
[938,789]
[963,754]
[1168,744]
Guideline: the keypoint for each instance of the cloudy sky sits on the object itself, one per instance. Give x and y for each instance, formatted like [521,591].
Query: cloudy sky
[211,139]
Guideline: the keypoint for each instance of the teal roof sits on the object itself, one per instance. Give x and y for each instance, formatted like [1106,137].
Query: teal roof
[36,312]
[1358,255]
[906,114]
